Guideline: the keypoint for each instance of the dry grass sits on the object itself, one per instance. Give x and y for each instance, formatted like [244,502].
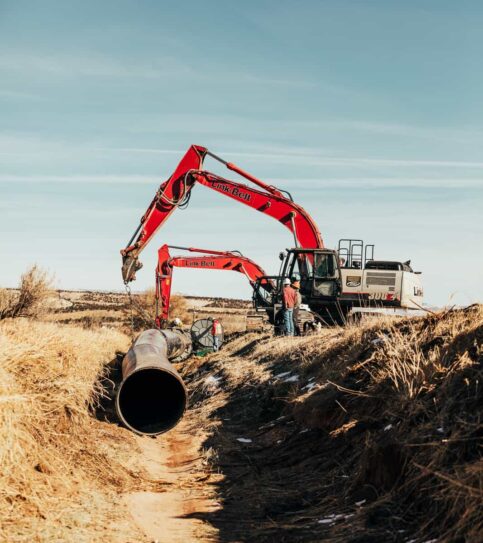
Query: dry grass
[59,467]
[386,414]
[374,432]
[144,308]
[232,321]
[29,300]
[91,310]
[179,308]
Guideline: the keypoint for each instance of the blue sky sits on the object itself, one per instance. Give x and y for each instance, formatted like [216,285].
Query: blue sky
[369,112]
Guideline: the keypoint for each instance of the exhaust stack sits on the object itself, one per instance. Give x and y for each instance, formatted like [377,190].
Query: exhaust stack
[152,397]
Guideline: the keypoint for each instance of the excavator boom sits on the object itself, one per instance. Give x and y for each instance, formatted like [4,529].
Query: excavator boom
[175,192]
[212,260]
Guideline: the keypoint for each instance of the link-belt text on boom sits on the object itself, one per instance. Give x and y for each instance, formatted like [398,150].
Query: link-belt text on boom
[198,264]
[234,191]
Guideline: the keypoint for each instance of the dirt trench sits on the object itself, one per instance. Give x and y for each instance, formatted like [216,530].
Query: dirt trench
[173,484]
[302,440]
[238,468]
[167,513]
[190,471]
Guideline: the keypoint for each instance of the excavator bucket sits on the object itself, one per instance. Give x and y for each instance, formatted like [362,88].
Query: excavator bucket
[130,265]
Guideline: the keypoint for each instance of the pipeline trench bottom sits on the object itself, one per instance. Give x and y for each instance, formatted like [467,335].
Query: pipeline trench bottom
[173,462]
[151,401]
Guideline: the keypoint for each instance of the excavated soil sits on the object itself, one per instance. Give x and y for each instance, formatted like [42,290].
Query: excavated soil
[355,435]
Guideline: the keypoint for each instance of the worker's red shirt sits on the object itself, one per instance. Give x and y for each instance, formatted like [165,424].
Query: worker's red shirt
[216,329]
[289,297]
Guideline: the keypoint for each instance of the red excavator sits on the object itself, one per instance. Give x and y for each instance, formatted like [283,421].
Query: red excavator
[176,191]
[212,260]
[332,281]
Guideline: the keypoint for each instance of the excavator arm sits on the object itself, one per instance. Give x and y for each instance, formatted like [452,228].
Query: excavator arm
[212,260]
[175,192]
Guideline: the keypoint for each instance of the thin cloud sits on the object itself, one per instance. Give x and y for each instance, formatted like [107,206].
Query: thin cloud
[382,182]
[300,183]
[357,161]
[245,127]
[82,179]
[18,95]
[89,65]
[299,154]
[266,80]
[456,134]
[96,65]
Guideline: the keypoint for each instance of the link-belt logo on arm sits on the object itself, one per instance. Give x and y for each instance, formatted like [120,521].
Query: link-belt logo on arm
[234,191]
[199,264]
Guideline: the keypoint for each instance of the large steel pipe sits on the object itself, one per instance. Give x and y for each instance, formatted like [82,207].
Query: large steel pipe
[152,397]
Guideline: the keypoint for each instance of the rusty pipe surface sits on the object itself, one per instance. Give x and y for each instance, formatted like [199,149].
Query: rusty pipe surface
[152,397]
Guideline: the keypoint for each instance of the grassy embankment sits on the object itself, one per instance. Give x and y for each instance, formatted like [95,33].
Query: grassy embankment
[360,434]
[60,469]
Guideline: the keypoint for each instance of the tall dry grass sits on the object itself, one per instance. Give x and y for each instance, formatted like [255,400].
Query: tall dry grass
[59,467]
[35,287]
[144,308]
[377,424]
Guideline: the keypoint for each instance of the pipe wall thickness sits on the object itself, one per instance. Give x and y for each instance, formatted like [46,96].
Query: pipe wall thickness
[152,397]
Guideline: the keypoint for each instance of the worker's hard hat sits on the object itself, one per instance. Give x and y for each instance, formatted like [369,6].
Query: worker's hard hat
[286,281]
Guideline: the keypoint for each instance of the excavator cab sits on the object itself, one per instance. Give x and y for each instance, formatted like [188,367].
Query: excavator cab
[264,297]
[318,272]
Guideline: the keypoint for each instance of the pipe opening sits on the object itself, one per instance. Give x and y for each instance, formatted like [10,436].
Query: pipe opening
[151,401]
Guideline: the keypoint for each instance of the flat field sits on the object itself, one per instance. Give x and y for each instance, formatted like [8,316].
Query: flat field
[114,309]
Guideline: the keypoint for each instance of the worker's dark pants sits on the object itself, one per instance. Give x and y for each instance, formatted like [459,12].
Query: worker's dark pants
[296,324]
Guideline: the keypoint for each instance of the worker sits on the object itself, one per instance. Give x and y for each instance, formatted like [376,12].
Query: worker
[216,332]
[296,310]
[288,298]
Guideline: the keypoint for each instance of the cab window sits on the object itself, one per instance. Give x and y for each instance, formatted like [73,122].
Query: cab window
[305,272]
[324,266]
[325,276]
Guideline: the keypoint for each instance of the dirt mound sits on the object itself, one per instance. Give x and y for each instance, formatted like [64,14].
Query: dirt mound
[369,433]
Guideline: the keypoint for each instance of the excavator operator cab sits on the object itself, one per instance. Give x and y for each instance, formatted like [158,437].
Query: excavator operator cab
[264,297]
[318,272]
[317,269]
